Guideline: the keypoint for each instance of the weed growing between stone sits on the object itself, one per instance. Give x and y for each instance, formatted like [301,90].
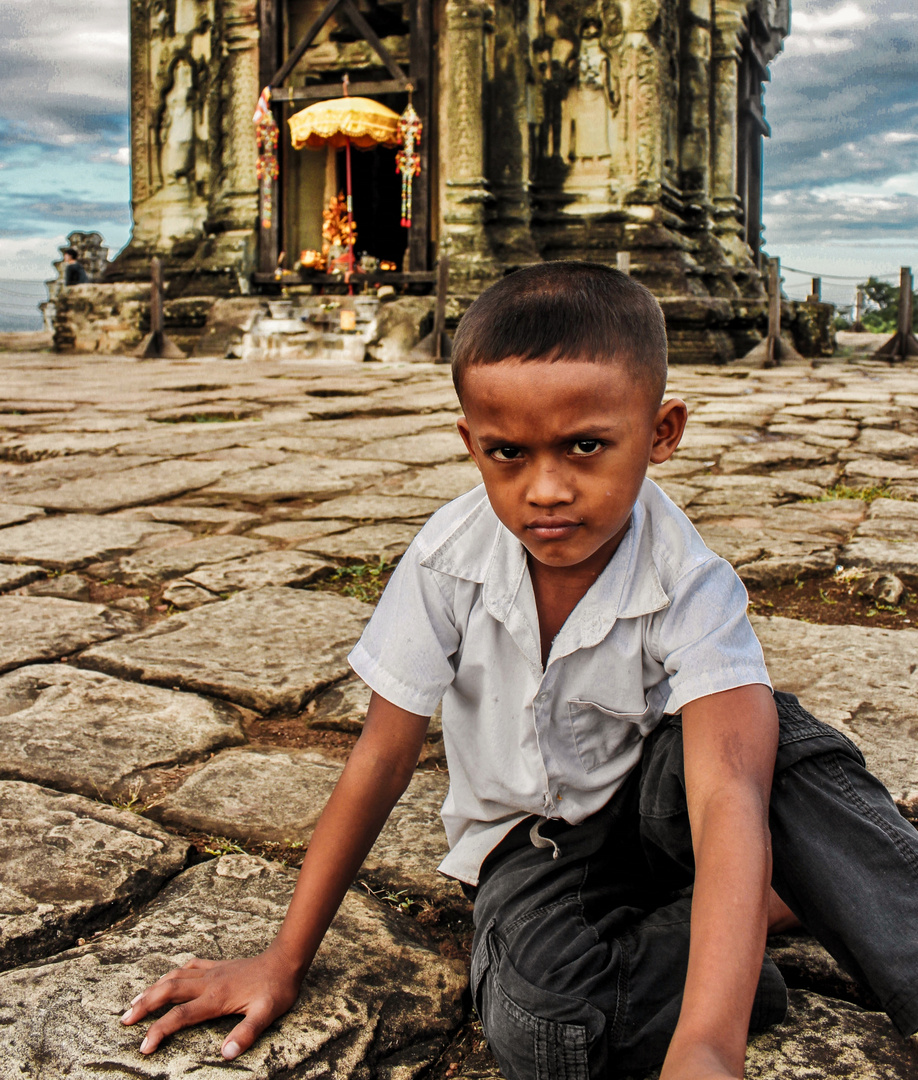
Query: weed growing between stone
[363,581]
[838,599]
[865,494]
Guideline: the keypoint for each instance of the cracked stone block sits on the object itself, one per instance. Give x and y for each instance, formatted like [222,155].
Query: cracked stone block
[441,482]
[298,479]
[268,649]
[65,586]
[10,514]
[190,515]
[426,448]
[862,680]
[70,541]
[99,736]
[260,571]
[375,508]
[148,568]
[887,540]
[45,628]
[16,575]
[379,1001]
[388,540]
[871,471]
[70,867]
[128,487]
[827,1039]
[270,795]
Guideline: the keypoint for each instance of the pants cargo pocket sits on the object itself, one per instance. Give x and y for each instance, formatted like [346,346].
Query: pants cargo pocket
[533,1033]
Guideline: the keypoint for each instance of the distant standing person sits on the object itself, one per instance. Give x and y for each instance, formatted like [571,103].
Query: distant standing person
[74,274]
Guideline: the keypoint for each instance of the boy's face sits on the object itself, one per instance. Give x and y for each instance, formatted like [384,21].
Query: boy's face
[563,448]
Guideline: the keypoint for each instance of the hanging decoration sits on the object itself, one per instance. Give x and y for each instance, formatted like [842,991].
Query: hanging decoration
[266,166]
[408,159]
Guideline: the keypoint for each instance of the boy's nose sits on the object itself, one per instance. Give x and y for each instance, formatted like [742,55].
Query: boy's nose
[550,486]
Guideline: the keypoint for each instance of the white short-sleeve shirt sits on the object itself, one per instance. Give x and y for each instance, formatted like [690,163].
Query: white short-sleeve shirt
[663,624]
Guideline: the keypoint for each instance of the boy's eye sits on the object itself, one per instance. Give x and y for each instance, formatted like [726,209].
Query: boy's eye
[505,453]
[586,447]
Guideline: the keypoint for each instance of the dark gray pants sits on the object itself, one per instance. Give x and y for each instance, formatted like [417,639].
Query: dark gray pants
[579,960]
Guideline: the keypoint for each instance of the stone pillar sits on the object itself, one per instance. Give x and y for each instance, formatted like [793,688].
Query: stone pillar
[695,152]
[234,200]
[725,127]
[140,103]
[466,187]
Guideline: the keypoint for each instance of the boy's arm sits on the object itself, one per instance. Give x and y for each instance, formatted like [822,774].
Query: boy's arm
[266,986]
[730,742]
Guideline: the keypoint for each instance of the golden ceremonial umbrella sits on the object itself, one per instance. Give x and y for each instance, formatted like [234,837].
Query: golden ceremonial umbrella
[360,120]
[341,122]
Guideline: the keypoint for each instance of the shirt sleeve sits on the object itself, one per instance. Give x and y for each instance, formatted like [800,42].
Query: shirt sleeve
[405,653]
[704,638]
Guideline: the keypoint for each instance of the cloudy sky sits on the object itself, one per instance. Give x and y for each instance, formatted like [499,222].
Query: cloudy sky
[841,170]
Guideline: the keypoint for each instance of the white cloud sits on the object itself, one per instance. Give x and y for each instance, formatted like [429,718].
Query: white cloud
[842,18]
[121,156]
[30,258]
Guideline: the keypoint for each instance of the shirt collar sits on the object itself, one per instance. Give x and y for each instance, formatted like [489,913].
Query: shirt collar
[483,550]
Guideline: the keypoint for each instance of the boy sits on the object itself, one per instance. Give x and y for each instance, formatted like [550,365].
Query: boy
[610,731]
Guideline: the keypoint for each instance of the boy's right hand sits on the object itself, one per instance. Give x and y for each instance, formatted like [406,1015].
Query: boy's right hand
[262,988]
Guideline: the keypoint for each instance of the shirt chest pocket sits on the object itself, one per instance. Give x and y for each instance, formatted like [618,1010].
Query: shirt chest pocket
[601,734]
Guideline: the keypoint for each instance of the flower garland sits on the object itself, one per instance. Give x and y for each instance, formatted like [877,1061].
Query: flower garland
[408,159]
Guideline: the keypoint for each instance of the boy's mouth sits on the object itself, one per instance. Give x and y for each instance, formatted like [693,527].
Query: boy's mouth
[552,528]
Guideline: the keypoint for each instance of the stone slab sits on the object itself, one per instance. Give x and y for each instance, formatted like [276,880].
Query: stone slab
[379,1000]
[96,735]
[827,1039]
[869,471]
[862,680]
[148,568]
[268,649]
[189,515]
[10,514]
[46,628]
[13,576]
[770,454]
[70,866]
[374,508]
[388,540]
[299,478]
[65,586]
[130,487]
[426,448]
[70,541]
[269,795]
[887,540]
[443,482]
[343,707]
[290,531]
[259,571]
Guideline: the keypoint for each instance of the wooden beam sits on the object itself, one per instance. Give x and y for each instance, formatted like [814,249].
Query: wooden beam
[362,26]
[320,91]
[311,34]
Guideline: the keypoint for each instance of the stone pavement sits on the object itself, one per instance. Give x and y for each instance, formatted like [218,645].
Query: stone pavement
[176,703]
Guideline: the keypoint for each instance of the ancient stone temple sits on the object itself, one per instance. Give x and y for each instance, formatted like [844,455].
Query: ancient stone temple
[551,129]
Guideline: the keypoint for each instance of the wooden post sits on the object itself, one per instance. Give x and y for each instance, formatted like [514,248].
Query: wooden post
[623,262]
[858,310]
[815,296]
[903,343]
[773,350]
[156,345]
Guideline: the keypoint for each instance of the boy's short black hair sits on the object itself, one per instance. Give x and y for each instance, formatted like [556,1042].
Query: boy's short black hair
[565,311]
[72,252]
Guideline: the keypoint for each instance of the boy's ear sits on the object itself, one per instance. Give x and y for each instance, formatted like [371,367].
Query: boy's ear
[669,424]
[463,425]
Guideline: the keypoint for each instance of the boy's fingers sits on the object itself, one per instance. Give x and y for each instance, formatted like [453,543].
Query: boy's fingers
[177,986]
[182,1016]
[246,1032]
